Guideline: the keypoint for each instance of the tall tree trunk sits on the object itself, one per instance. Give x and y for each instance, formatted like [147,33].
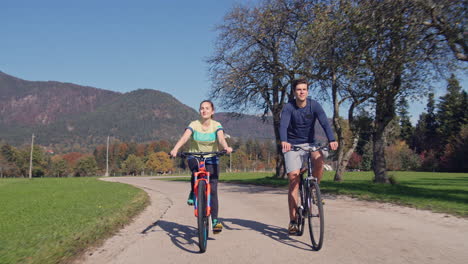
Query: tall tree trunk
[343,154]
[343,159]
[385,112]
[380,164]
[338,129]
[280,171]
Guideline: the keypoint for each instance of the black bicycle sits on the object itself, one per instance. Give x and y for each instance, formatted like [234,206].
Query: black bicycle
[311,202]
[202,189]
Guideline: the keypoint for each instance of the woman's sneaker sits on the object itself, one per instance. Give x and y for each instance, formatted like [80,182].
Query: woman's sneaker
[293,229]
[217,226]
[191,198]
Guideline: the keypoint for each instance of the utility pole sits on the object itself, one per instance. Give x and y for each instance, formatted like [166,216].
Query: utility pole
[107,158]
[31,157]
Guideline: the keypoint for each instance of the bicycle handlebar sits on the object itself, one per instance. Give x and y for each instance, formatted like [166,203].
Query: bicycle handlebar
[312,148]
[202,154]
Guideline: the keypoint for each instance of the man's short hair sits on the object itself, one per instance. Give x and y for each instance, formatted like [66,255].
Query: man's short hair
[298,81]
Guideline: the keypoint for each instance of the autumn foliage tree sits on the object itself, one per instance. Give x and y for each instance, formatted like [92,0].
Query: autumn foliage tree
[159,162]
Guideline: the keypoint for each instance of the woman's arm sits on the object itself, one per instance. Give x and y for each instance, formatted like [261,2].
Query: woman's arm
[223,142]
[185,137]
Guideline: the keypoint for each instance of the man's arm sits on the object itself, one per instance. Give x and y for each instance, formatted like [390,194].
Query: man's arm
[323,120]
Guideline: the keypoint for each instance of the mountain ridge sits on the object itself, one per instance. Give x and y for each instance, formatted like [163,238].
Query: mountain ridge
[74,117]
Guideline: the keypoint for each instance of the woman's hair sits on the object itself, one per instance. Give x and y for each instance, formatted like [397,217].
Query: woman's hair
[211,103]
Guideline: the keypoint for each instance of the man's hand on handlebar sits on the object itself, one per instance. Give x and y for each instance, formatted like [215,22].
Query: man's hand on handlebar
[334,145]
[285,146]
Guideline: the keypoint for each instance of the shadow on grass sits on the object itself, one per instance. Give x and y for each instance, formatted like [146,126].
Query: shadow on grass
[398,191]
[445,181]
[279,234]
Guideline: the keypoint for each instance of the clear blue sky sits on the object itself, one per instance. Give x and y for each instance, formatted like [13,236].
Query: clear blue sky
[118,45]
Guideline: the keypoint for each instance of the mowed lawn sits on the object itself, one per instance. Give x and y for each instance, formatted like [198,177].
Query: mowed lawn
[50,220]
[439,192]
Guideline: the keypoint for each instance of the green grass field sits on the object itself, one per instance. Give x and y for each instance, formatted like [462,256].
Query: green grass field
[439,192]
[51,220]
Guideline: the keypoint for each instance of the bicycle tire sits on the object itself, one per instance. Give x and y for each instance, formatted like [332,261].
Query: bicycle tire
[202,219]
[315,215]
[300,212]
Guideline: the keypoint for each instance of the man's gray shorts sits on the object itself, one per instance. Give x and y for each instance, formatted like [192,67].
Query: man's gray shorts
[295,160]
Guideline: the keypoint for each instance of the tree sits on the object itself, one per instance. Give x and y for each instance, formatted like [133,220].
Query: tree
[8,167]
[330,48]
[398,60]
[133,165]
[401,157]
[425,135]
[406,128]
[255,60]
[456,152]
[355,161]
[86,166]
[159,162]
[446,18]
[59,167]
[452,111]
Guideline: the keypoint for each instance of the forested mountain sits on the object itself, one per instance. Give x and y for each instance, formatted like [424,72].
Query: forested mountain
[31,103]
[69,117]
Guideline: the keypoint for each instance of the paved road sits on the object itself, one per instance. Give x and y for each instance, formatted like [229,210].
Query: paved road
[255,220]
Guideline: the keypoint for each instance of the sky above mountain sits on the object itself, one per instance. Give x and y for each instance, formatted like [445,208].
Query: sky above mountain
[120,45]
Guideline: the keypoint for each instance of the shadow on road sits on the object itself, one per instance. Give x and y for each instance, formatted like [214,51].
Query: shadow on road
[276,233]
[183,236]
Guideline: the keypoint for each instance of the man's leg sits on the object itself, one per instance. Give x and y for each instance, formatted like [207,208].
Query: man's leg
[293,177]
[317,159]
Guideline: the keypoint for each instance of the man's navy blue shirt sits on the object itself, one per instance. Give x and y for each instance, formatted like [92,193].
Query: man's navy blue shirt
[297,124]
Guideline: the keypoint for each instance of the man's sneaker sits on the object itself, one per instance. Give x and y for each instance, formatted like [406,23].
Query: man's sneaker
[191,198]
[293,229]
[217,226]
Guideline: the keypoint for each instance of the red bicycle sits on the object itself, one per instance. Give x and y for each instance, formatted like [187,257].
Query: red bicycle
[202,189]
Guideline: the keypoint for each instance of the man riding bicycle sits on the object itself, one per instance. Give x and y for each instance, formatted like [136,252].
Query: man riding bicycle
[297,128]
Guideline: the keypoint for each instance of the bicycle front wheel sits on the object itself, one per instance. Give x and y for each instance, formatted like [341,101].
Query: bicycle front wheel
[315,215]
[300,211]
[202,219]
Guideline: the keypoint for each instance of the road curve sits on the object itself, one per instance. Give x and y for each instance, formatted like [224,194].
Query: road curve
[255,220]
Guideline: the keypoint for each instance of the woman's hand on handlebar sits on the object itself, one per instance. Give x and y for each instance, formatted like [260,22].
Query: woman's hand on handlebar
[228,150]
[173,153]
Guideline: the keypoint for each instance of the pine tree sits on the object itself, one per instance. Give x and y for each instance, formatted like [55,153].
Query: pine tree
[406,128]
[451,114]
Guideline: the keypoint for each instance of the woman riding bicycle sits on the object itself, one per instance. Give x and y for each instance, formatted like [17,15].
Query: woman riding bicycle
[204,135]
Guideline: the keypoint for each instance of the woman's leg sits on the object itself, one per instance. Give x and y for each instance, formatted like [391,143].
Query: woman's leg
[214,172]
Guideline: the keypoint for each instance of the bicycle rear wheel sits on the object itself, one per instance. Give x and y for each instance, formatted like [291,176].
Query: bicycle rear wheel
[315,215]
[202,219]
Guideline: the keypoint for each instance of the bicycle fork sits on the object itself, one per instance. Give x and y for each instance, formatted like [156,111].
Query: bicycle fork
[207,195]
